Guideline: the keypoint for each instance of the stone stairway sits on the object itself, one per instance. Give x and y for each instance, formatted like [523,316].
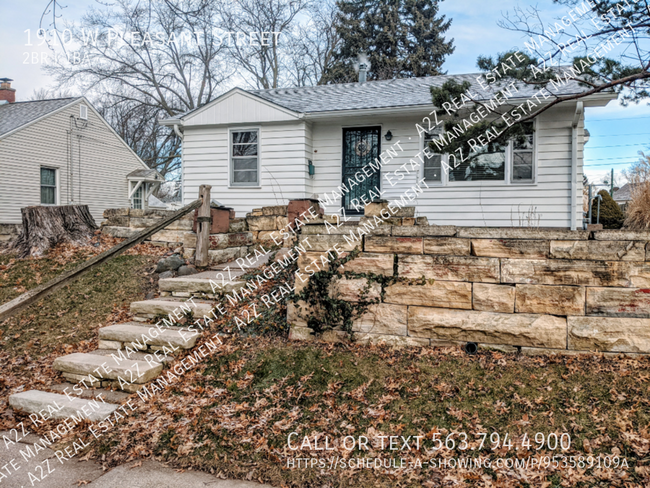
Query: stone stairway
[134,353]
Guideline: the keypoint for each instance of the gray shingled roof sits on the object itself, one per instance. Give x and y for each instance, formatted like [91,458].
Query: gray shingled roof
[15,115]
[386,93]
[624,194]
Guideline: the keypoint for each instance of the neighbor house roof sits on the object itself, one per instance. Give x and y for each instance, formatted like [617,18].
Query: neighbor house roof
[17,114]
[624,194]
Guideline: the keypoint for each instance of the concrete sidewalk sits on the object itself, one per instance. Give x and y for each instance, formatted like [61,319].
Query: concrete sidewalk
[44,466]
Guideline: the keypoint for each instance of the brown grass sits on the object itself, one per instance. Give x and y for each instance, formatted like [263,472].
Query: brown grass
[638,210]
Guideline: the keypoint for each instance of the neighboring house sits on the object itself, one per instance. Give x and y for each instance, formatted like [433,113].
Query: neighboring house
[265,147]
[62,152]
[623,195]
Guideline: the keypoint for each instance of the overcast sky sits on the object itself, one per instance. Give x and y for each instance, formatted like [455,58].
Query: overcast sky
[617,133]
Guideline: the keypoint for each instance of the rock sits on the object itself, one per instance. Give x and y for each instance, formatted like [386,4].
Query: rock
[426,231]
[570,272]
[391,340]
[131,371]
[488,297]
[609,334]
[121,232]
[421,221]
[449,268]
[301,334]
[402,245]
[152,308]
[113,212]
[408,221]
[622,235]
[402,211]
[618,302]
[442,294]
[601,250]
[273,237]
[510,248]
[34,401]
[556,300]
[354,289]
[178,250]
[109,344]
[446,246]
[238,225]
[382,318]
[167,274]
[375,209]
[261,223]
[368,262]
[181,224]
[172,263]
[171,236]
[143,222]
[328,242]
[276,210]
[186,270]
[487,327]
[522,233]
[136,333]
[219,256]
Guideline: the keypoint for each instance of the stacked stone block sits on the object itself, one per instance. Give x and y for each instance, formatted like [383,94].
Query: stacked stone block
[539,290]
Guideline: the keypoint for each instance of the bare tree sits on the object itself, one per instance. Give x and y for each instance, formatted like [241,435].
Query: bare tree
[146,60]
[312,45]
[263,54]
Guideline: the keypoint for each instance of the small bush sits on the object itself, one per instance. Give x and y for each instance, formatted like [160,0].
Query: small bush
[638,210]
[611,215]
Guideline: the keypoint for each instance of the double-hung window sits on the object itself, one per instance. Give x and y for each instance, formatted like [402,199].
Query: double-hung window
[513,160]
[48,186]
[522,155]
[244,158]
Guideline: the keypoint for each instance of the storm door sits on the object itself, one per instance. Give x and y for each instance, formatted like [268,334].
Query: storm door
[361,146]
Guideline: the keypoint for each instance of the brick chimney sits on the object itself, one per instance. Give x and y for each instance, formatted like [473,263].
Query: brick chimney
[6,92]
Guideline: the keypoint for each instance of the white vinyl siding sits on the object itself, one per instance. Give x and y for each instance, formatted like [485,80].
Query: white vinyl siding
[474,203]
[96,177]
[282,165]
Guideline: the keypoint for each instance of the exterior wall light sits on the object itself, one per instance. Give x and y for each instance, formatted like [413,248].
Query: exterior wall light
[388,136]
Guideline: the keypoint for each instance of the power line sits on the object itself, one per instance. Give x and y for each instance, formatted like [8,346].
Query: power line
[611,120]
[618,145]
[622,135]
[587,165]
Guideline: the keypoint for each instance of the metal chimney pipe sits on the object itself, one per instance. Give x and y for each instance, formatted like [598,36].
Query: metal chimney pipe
[362,72]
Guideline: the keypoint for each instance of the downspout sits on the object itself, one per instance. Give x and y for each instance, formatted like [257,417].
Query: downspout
[574,163]
[181,137]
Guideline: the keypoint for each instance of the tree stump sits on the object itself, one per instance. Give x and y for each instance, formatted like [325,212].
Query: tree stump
[45,227]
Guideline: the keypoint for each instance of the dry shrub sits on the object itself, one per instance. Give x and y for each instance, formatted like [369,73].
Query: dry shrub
[638,210]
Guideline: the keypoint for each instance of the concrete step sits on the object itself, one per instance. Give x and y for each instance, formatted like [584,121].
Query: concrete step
[138,356]
[166,306]
[54,405]
[133,334]
[83,364]
[206,283]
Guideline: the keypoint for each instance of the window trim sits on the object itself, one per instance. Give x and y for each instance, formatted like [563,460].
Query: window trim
[56,186]
[253,185]
[508,170]
[140,189]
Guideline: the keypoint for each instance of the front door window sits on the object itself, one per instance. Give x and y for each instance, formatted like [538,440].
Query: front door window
[361,147]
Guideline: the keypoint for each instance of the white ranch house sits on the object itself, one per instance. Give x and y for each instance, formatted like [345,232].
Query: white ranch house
[259,148]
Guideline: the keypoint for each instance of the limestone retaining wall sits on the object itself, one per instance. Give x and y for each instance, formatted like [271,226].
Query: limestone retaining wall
[539,290]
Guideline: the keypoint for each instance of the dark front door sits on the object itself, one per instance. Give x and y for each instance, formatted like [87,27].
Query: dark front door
[361,146]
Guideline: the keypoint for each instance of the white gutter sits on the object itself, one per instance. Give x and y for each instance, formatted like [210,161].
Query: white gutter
[574,163]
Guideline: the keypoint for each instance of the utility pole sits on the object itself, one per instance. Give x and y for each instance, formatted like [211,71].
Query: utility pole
[611,183]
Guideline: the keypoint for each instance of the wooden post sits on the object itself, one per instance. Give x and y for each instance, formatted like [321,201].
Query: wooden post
[201,259]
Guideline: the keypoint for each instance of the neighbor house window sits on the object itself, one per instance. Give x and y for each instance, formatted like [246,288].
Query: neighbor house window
[48,186]
[244,161]
[522,155]
[136,199]
[432,170]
